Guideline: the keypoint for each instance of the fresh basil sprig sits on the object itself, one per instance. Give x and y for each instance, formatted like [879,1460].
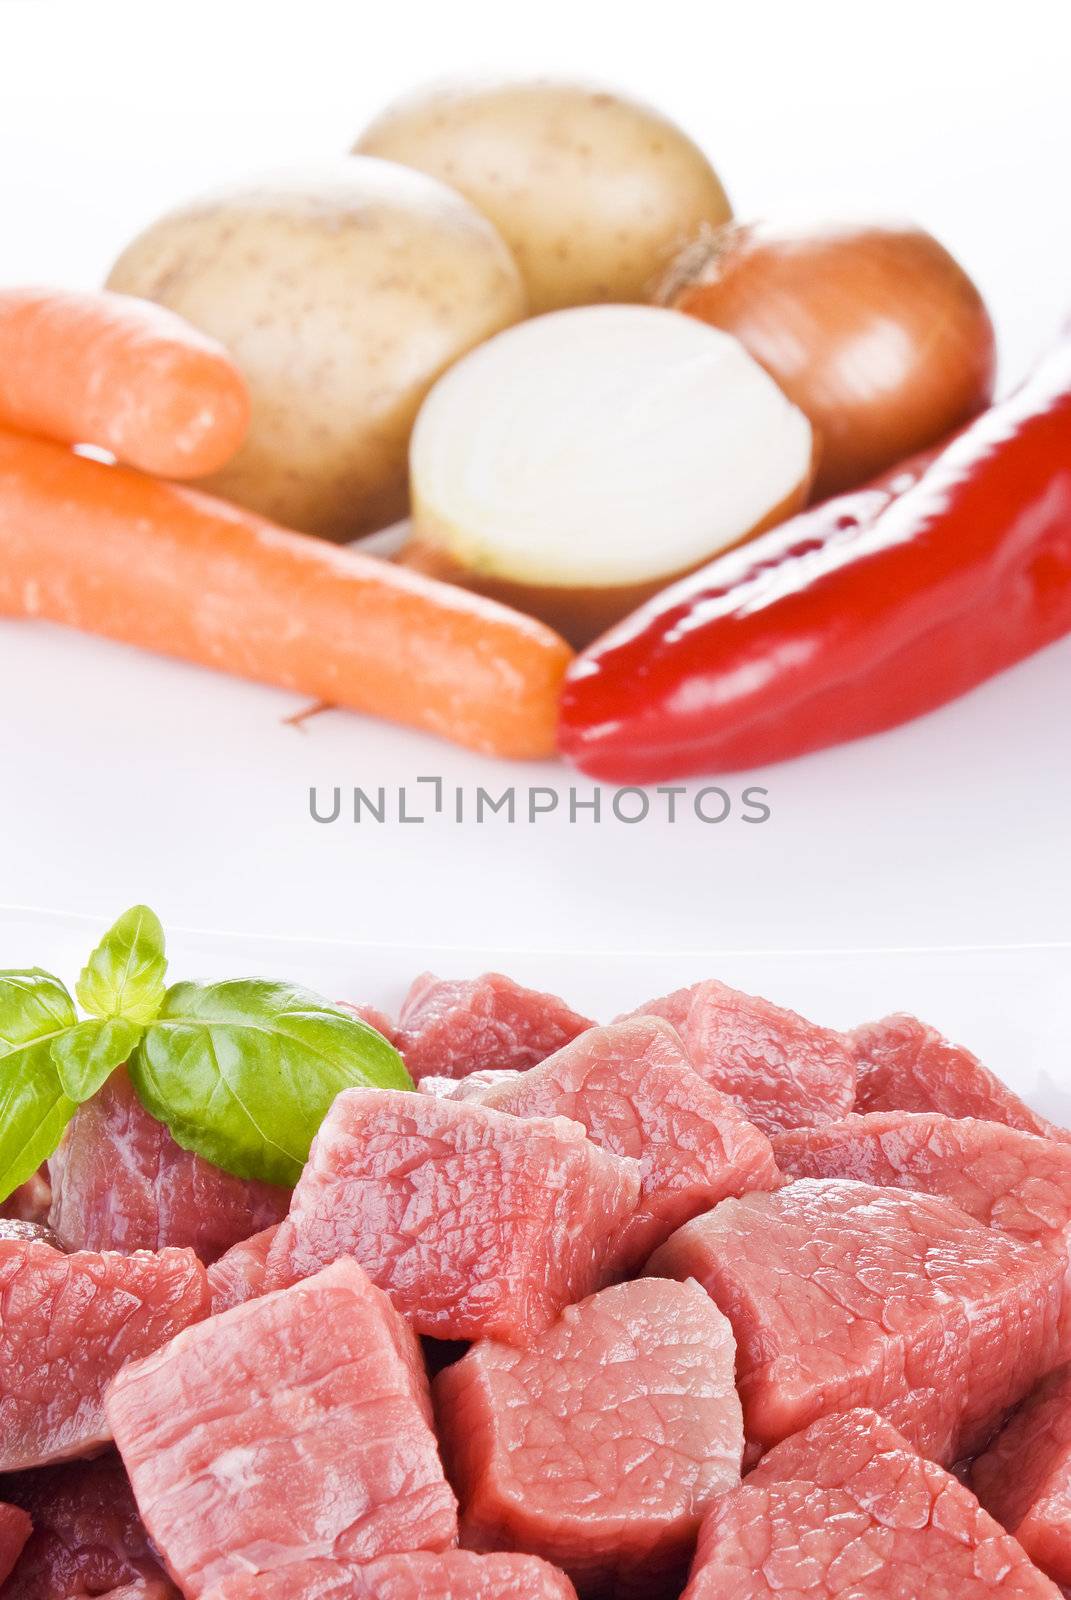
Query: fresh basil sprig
[241,1072]
[244,1072]
[35,1011]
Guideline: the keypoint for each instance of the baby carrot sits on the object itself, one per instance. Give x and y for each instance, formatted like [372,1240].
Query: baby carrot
[172,569]
[120,373]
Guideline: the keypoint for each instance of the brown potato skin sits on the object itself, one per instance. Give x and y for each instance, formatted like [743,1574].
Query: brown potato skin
[342,292]
[580,615]
[593,191]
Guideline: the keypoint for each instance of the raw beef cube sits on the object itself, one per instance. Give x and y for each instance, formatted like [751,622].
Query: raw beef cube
[601,1444]
[238,1276]
[848,1509]
[15,1529]
[295,1426]
[475,1223]
[120,1182]
[1009,1180]
[841,1294]
[67,1325]
[634,1090]
[453,1575]
[455,1026]
[373,1016]
[30,1201]
[905,1066]
[87,1536]
[27,1233]
[1024,1478]
[782,1071]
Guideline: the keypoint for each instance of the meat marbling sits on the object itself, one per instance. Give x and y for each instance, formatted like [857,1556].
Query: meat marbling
[600,1445]
[1016,1182]
[849,1510]
[1024,1478]
[842,1294]
[904,1065]
[67,1324]
[120,1182]
[296,1426]
[633,1089]
[450,1027]
[453,1575]
[474,1222]
[782,1071]
[87,1539]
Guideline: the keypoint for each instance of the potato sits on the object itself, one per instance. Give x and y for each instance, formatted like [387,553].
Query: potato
[593,192]
[342,292]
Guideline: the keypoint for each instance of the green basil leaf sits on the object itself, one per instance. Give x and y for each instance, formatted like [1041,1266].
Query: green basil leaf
[86,1055]
[35,1011]
[124,977]
[244,1072]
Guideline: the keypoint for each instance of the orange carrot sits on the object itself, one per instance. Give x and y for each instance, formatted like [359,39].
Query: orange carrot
[173,569]
[128,376]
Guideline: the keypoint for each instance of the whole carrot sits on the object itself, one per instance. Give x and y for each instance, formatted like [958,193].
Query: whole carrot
[123,374]
[172,569]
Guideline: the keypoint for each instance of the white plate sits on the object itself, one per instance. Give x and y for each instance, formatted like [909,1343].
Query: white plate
[1007,1004]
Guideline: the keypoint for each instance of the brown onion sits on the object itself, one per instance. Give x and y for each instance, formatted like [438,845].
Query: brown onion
[876,333]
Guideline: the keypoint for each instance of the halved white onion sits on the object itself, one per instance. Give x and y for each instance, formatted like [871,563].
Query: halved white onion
[601,448]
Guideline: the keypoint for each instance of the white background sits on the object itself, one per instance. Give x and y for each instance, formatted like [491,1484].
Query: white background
[126,778]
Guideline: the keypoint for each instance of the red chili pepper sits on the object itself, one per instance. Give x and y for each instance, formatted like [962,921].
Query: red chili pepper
[868,610]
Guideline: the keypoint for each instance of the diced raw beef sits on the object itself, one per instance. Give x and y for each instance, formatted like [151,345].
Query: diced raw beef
[903,1065]
[238,1276]
[120,1182]
[29,1202]
[373,1016]
[782,1071]
[600,1446]
[453,1575]
[293,1427]
[15,1529]
[1009,1180]
[455,1026]
[67,1325]
[634,1090]
[844,1294]
[1024,1478]
[87,1536]
[27,1233]
[850,1510]
[475,1223]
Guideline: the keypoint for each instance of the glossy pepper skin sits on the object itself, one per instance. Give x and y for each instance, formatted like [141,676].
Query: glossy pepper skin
[871,609]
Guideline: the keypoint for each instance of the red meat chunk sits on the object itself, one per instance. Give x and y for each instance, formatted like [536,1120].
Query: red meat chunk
[67,1325]
[88,1538]
[120,1182]
[373,1016]
[30,1201]
[475,1223]
[849,1510]
[903,1065]
[15,1529]
[297,1426]
[634,1090]
[842,1294]
[1024,1478]
[239,1275]
[1009,1180]
[600,1446]
[782,1071]
[453,1575]
[451,1027]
